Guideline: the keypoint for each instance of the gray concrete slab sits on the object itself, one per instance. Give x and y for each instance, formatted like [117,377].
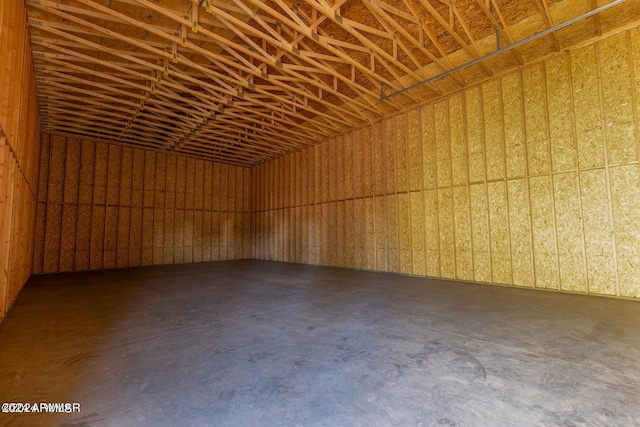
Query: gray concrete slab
[255,343]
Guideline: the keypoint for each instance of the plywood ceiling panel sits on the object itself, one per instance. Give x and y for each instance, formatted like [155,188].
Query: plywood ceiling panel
[243,81]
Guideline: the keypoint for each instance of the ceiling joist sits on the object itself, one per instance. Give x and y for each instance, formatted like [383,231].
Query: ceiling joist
[243,81]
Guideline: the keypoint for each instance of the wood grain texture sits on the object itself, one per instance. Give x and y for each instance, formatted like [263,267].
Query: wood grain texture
[493,129]
[513,126]
[21,249]
[529,179]
[598,232]
[135,207]
[291,74]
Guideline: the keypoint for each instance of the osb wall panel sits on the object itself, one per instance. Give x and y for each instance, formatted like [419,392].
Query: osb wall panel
[530,179]
[105,206]
[19,152]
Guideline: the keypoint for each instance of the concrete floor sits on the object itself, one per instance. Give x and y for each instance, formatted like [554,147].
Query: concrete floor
[253,343]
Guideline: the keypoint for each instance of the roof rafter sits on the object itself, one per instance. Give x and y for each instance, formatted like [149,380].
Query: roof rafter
[242,81]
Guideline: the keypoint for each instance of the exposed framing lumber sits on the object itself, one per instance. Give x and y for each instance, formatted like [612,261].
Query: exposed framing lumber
[269,76]
[546,16]
[504,29]
[471,49]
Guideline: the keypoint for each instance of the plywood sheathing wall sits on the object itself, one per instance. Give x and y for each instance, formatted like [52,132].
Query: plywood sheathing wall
[105,205]
[530,179]
[19,147]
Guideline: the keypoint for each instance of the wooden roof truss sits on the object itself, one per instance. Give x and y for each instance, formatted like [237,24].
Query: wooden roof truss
[242,81]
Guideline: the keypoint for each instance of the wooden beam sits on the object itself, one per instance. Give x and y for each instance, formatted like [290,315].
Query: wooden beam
[596,18]
[543,7]
[503,27]
[378,11]
[471,50]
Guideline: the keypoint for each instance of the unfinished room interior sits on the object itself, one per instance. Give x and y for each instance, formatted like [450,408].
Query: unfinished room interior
[320,212]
